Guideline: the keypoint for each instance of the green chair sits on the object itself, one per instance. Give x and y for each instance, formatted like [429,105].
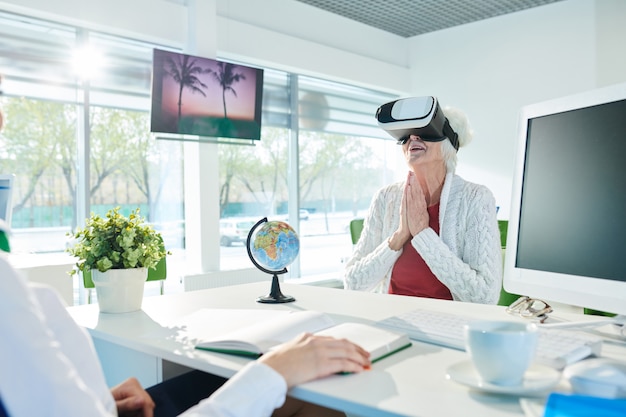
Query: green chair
[158,273]
[593,312]
[356,227]
[506,298]
[503,225]
[5,246]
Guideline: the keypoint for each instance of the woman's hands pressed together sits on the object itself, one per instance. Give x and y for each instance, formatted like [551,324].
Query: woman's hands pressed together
[416,210]
[413,213]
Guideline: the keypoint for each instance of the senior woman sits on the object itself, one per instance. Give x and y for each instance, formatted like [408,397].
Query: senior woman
[433,235]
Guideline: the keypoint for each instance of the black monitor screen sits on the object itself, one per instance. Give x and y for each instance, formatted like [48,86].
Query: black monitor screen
[573,207]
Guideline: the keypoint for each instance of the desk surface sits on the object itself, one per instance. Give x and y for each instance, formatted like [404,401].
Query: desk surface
[409,383]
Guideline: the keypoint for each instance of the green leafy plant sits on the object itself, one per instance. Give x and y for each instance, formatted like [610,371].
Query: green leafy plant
[116,242]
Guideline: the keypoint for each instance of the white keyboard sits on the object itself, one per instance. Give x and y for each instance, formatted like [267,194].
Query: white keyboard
[556,348]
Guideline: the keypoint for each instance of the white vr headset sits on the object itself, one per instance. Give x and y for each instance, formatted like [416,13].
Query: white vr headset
[420,116]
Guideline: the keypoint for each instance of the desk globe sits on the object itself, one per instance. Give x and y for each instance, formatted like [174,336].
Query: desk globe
[272,246]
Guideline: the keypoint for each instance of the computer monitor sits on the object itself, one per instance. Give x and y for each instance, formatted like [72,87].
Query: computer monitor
[567,227]
[6,194]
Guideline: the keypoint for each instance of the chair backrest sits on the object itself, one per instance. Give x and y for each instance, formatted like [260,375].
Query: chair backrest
[506,298]
[4,236]
[503,225]
[158,273]
[356,227]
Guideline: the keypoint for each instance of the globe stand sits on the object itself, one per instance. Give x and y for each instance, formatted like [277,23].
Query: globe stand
[275,296]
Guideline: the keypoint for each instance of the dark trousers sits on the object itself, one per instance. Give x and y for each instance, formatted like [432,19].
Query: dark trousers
[174,396]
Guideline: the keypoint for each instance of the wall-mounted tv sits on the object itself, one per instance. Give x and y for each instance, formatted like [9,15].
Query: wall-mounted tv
[205,97]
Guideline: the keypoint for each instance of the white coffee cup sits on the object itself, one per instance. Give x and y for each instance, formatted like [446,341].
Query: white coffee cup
[501,351]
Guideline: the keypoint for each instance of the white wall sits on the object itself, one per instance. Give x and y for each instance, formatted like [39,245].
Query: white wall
[493,67]
[154,20]
[610,36]
[292,36]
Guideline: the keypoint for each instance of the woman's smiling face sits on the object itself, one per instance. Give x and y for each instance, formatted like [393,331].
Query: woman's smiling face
[417,151]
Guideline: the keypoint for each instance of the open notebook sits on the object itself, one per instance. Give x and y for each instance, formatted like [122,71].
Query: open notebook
[267,331]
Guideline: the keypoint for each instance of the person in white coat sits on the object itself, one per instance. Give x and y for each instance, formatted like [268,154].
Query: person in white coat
[49,367]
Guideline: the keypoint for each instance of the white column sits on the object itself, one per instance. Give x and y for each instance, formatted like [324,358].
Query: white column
[201,163]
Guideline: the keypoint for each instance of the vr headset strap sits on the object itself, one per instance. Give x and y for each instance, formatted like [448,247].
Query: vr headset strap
[451,134]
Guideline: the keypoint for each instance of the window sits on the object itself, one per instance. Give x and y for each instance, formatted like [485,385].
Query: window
[342,161]
[39,138]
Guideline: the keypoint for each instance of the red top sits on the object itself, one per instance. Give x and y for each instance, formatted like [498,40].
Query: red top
[411,275]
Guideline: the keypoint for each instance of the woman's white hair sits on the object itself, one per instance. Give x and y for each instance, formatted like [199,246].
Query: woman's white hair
[460,123]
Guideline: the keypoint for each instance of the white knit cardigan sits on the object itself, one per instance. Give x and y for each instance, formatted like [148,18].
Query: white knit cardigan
[466,255]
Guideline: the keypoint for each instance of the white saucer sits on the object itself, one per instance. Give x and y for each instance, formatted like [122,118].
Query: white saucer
[533,406]
[537,378]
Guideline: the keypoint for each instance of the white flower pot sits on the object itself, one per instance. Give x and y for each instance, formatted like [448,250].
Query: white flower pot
[119,290]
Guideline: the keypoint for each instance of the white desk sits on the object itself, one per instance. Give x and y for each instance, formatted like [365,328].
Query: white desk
[409,383]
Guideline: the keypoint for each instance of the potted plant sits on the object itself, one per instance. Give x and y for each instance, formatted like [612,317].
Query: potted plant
[117,251]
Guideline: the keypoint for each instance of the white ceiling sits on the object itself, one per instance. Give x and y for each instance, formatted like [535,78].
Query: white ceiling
[409,18]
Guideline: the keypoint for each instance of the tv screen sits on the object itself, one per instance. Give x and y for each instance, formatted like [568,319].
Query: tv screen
[205,97]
